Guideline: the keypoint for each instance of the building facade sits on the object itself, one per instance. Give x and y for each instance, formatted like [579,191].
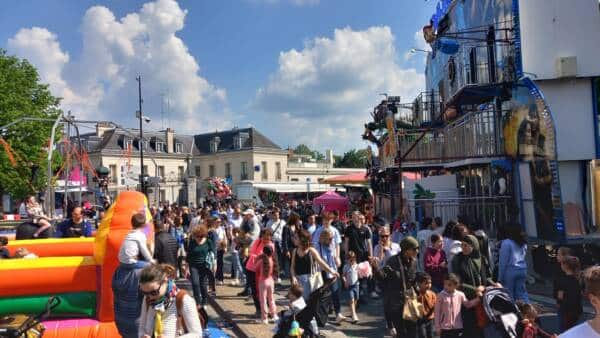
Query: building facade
[509,114]
[178,166]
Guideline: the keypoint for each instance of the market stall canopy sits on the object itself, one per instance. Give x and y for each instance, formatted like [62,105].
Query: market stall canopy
[331,201]
[359,178]
[291,187]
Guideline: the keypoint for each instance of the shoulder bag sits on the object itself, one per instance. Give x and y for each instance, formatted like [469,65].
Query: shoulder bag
[412,310]
[316,278]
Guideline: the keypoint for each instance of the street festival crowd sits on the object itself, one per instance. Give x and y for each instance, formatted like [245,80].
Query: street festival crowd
[433,277]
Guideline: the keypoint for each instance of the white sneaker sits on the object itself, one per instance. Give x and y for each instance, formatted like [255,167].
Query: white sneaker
[275,319]
[355,319]
[391,332]
[278,280]
[220,282]
[374,295]
[265,321]
[340,318]
[234,282]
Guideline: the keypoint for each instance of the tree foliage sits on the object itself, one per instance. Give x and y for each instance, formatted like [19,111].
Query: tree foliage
[22,95]
[352,159]
[303,149]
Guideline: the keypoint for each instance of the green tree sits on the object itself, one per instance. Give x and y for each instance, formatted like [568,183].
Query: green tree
[303,149]
[22,95]
[352,159]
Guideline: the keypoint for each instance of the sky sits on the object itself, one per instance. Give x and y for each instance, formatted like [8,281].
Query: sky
[300,71]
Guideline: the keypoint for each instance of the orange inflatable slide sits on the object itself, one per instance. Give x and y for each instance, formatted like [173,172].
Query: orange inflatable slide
[78,271]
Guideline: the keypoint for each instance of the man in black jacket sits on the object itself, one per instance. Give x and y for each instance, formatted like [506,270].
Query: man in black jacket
[165,245]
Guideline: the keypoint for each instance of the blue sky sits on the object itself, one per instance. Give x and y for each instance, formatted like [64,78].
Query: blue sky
[298,70]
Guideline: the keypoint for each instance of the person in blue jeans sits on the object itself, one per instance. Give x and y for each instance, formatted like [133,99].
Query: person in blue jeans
[512,270]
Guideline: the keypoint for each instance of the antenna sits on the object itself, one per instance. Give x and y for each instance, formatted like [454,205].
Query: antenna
[162,110]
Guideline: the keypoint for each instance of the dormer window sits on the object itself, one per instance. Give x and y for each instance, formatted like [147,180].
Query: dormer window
[214,144]
[160,147]
[128,145]
[179,148]
[240,139]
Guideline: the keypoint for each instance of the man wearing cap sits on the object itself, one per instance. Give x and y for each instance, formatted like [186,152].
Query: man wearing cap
[397,276]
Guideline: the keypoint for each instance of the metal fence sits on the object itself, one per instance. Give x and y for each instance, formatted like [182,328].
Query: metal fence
[474,135]
[485,212]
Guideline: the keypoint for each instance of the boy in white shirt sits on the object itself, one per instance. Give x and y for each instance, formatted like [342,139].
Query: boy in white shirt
[590,328]
[135,244]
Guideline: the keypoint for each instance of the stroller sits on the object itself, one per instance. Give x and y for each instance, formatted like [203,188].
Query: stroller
[503,314]
[317,307]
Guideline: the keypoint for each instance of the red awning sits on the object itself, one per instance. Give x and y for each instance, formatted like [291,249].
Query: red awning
[354,178]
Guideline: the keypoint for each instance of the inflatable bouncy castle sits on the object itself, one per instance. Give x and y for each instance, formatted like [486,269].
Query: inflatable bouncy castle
[78,271]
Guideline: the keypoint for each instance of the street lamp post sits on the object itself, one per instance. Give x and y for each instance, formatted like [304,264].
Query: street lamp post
[140,143]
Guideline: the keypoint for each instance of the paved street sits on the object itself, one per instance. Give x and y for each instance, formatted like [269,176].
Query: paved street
[240,311]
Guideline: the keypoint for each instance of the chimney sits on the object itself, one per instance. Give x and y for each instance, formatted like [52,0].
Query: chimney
[170,139]
[101,128]
[329,157]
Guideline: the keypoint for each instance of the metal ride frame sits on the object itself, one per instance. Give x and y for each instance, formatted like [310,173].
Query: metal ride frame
[68,121]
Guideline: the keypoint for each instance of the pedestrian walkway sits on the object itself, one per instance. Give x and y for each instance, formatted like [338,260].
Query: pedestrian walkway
[240,312]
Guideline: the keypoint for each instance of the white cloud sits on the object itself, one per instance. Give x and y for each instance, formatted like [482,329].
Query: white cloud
[101,84]
[322,94]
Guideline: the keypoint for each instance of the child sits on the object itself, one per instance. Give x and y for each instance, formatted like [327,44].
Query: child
[135,245]
[428,299]
[570,305]
[436,264]
[447,315]
[24,253]
[351,283]
[266,269]
[3,250]
[590,328]
[559,275]
[296,300]
[529,325]
[36,213]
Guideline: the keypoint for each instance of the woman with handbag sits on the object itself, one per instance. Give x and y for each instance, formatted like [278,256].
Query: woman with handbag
[304,269]
[397,279]
[201,253]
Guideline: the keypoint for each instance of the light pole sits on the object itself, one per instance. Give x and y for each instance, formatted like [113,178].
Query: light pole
[141,117]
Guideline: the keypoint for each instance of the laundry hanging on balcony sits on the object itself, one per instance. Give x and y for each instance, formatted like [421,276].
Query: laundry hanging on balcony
[447,45]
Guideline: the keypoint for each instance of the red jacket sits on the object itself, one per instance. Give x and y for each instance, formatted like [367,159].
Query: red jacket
[433,265]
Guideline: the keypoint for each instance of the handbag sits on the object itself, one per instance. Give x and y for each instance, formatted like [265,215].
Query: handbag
[316,278]
[413,310]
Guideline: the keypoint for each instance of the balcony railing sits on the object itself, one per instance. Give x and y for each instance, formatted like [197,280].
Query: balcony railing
[478,65]
[474,135]
[486,212]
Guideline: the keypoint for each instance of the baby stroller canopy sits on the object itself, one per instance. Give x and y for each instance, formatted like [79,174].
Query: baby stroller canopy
[502,312]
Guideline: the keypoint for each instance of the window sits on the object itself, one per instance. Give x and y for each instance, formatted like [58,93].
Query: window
[278,171]
[264,174]
[162,195]
[145,170]
[294,180]
[160,147]
[161,171]
[113,173]
[214,144]
[181,171]
[244,171]
[179,148]
[211,170]
[227,169]
[198,171]
[128,144]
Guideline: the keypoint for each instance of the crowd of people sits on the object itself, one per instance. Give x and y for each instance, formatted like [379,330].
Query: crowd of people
[432,277]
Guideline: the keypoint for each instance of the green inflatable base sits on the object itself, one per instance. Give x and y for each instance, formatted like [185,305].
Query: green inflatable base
[72,304]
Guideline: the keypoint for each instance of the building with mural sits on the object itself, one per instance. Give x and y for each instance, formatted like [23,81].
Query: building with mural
[506,129]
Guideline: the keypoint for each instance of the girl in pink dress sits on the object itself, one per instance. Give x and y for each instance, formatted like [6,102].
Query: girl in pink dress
[266,268]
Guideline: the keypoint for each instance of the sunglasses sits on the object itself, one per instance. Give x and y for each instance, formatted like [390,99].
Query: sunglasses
[153,292]
[384,236]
